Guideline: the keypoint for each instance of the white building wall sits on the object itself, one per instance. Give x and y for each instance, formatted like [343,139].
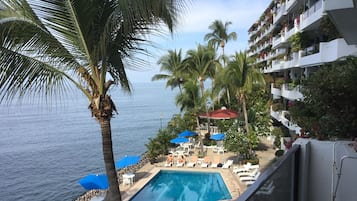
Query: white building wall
[321,163]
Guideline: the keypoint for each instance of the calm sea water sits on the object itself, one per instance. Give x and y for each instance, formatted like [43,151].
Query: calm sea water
[45,150]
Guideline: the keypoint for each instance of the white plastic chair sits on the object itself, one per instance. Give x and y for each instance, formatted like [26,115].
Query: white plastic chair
[227,164]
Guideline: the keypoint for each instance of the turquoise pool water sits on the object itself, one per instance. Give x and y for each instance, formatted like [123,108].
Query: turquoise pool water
[184,186]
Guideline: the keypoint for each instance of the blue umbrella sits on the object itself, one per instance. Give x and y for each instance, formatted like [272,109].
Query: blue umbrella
[187,133]
[179,140]
[94,181]
[218,136]
[127,161]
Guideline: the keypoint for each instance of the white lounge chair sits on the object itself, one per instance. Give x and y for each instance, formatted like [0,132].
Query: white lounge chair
[227,164]
[206,161]
[249,173]
[215,162]
[249,178]
[245,168]
[180,162]
[169,161]
[192,162]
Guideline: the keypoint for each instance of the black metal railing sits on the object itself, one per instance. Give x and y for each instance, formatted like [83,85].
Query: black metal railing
[278,182]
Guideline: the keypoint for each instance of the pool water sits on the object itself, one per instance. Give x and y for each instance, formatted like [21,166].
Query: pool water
[184,186]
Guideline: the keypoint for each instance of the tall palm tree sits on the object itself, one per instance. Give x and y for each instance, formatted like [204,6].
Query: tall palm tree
[219,35]
[50,47]
[243,79]
[172,64]
[201,64]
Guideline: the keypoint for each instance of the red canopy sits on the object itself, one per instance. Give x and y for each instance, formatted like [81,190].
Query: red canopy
[222,113]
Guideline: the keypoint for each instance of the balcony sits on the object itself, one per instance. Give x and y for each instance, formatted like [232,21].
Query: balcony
[290,4]
[312,15]
[275,91]
[280,39]
[291,92]
[327,52]
[310,170]
[277,65]
[316,54]
[282,117]
[279,13]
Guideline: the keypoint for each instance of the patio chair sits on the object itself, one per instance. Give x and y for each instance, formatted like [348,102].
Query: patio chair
[246,168]
[220,150]
[169,161]
[227,164]
[192,162]
[206,161]
[215,162]
[249,178]
[249,173]
[181,161]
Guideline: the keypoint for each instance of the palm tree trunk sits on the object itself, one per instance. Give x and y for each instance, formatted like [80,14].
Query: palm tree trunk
[244,107]
[113,193]
[208,122]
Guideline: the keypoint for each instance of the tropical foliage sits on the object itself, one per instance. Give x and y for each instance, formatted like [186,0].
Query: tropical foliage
[239,86]
[172,64]
[51,48]
[329,108]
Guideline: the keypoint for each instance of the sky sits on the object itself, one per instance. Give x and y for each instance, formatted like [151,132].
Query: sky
[193,26]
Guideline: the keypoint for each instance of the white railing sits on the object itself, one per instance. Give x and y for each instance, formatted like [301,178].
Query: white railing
[279,13]
[291,93]
[312,14]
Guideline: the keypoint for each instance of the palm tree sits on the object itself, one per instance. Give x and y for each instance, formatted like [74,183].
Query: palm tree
[219,35]
[190,99]
[201,64]
[172,64]
[243,79]
[51,47]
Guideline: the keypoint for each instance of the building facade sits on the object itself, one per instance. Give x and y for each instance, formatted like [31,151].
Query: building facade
[293,38]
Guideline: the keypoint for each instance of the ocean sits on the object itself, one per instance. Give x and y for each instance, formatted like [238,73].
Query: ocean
[46,149]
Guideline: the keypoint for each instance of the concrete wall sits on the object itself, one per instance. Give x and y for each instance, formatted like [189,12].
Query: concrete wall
[320,164]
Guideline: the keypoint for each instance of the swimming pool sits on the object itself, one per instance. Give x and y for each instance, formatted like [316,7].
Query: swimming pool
[170,185]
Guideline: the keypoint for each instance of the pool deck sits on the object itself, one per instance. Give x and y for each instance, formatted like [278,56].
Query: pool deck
[235,187]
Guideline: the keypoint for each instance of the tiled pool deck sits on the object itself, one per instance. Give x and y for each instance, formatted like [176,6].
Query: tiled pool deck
[231,180]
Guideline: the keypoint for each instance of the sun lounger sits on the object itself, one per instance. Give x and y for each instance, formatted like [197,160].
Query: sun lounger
[227,164]
[169,161]
[206,162]
[181,162]
[250,173]
[237,170]
[215,162]
[192,162]
[250,178]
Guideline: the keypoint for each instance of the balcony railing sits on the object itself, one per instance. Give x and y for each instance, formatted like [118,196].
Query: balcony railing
[278,182]
[312,15]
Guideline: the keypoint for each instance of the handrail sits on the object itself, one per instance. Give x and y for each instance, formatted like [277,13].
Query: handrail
[252,190]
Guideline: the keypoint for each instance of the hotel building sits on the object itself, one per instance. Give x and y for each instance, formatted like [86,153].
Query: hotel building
[290,41]
[293,38]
